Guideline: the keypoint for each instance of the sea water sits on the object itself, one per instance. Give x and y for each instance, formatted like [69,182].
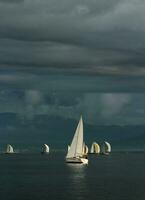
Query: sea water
[119,176]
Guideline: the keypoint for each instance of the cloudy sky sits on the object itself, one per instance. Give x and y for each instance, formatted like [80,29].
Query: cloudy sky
[66,58]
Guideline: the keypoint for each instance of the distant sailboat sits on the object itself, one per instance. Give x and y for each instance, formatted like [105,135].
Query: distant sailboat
[75,153]
[85,149]
[68,148]
[9,149]
[106,148]
[95,148]
[45,149]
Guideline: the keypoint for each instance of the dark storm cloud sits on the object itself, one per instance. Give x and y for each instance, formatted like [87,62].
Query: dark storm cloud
[104,37]
[11,1]
[45,80]
[96,108]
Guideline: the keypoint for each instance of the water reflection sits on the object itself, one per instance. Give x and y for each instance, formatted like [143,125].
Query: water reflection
[77,181]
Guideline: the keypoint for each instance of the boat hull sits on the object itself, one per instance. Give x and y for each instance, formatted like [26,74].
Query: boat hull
[94,153]
[77,160]
[105,154]
[9,152]
[44,152]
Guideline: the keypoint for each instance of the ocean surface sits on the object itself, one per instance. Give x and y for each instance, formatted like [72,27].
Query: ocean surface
[119,176]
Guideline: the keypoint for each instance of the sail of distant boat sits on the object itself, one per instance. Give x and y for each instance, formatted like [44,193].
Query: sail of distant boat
[95,148]
[45,148]
[75,153]
[68,148]
[85,149]
[9,149]
[106,149]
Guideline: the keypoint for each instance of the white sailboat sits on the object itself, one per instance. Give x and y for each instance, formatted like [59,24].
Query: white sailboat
[85,149]
[68,148]
[45,149]
[75,153]
[9,149]
[106,149]
[95,148]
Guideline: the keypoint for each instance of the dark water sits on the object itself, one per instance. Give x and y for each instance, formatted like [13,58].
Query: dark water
[120,176]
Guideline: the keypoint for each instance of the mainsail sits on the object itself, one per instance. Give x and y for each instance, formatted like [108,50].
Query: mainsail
[9,149]
[76,147]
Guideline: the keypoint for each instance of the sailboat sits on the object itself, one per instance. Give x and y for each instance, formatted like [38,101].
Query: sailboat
[106,149]
[68,148]
[85,149]
[45,149]
[95,148]
[9,149]
[75,153]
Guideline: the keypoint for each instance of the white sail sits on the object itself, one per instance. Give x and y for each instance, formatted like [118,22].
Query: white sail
[9,149]
[68,148]
[92,148]
[95,148]
[45,148]
[108,147]
[85,149]
[76,147]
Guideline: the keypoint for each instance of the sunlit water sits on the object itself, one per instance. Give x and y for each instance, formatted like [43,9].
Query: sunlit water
[120,176]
